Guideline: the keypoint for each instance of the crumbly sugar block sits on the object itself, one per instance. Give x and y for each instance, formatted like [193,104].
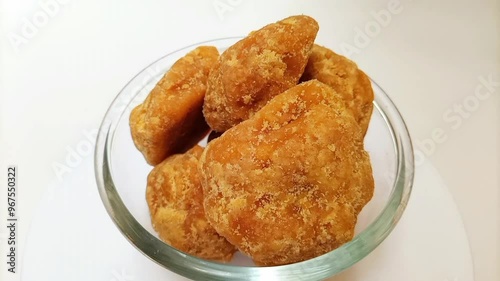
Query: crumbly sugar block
[171,120]
[287,184]
[345,78]
[257,68]
[363,101]
[175,199]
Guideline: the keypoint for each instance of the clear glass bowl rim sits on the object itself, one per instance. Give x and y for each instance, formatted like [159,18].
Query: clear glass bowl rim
[194,268]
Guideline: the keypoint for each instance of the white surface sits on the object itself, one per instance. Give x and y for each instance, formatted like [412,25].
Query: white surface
[428,244]
[429,58]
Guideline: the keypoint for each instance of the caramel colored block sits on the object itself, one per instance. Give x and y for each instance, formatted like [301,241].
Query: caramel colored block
[175,199]
[287,184]
[345,78]
[171,120]
[257,68]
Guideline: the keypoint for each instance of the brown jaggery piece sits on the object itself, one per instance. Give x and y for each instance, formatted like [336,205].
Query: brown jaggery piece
[287,184]
[363,100]
[345,78]
[171,119]
[175,199]
[257,68]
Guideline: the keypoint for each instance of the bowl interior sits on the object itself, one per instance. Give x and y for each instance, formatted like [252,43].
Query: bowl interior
[129,170]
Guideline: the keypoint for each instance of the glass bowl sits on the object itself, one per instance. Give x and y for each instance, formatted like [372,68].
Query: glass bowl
[121,174]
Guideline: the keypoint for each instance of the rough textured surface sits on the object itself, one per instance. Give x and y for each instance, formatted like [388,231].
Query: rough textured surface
[171,120]
[251,72]
[345,78]
[175,200]
[287,184]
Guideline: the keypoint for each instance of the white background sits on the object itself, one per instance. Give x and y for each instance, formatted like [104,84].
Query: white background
[57,81]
